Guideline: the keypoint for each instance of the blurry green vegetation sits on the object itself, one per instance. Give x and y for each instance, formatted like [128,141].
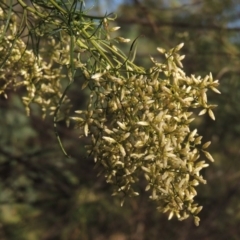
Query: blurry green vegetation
[45,195]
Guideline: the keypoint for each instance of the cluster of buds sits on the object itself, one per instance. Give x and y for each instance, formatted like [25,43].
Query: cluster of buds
[21,68]
[138,121]
[140,126]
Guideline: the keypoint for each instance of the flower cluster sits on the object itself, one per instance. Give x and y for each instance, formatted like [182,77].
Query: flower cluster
[140,126]
[138,120]
[20,68]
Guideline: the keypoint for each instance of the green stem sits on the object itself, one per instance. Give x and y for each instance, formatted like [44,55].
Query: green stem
[25,6]
[123,57]
[57,6]
[98,47]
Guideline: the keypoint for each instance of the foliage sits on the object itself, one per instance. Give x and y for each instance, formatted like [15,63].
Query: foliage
[138,119]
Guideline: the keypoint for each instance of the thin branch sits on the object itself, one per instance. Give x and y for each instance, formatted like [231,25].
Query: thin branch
[148,16]
[178,25]
[181,7]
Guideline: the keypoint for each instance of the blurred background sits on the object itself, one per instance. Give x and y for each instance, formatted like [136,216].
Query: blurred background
[45,196]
